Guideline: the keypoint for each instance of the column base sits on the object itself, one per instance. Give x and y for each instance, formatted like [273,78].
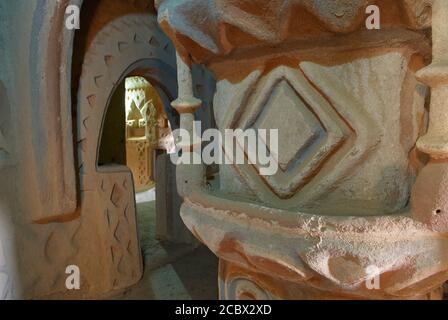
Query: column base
[239,283]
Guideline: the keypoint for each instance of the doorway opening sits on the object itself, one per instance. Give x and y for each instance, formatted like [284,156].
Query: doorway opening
[148,136]
[137,133]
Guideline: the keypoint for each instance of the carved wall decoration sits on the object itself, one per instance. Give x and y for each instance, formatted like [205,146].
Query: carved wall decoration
[69,211]
[140,131]
[101,235]
[139,158]
[147,130]
[238,25]
[362,183]
[335,129]
[141,111]
[234,285]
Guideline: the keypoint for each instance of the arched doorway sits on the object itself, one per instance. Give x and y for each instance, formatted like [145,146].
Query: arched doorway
[137,136]
[130,45]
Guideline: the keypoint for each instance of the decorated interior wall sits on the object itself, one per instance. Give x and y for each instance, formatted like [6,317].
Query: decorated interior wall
[58,206]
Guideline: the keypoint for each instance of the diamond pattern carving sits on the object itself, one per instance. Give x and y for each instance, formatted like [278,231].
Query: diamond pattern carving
[116,195]
[318,130]
[300,123]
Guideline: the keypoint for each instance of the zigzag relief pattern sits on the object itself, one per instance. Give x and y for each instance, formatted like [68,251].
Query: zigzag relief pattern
[121,225]
[131,30]
[276,23]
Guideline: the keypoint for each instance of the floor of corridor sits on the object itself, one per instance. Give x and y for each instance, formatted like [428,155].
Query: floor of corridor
[171,271]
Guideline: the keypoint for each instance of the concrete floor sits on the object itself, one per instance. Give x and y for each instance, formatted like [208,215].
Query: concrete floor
[171,271]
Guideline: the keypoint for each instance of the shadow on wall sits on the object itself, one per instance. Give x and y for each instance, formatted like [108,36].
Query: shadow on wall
[113,142]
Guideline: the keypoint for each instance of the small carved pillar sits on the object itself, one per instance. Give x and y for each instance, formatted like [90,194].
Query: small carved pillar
[188,176]
[430,201]
[435,142]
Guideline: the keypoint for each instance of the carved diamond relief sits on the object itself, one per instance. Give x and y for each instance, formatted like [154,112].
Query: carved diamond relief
[318,130]
[116,195]
[300,123]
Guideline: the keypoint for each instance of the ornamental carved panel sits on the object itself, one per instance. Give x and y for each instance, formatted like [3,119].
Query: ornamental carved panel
[358,207]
